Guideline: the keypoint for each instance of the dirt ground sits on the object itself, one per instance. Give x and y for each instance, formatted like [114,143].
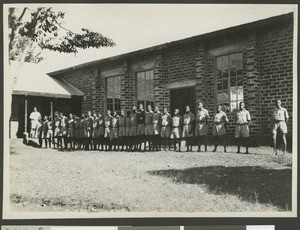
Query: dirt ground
[47,179]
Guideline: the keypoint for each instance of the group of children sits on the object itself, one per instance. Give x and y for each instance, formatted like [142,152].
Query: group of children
[138,129]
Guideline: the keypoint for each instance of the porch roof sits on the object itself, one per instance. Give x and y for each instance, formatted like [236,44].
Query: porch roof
[34,81]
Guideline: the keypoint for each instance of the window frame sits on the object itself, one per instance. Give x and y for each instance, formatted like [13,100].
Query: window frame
[114,95]
[137,88]
[230,100]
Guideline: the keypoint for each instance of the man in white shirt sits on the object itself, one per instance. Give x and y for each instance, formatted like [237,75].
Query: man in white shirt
[280,118]
[242,121]
[34,116]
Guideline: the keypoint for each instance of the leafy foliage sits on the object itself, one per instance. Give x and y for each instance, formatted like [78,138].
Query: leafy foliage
[45,29]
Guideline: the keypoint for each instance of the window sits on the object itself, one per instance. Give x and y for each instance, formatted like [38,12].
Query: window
[230,81]
[113,93]
[145,88]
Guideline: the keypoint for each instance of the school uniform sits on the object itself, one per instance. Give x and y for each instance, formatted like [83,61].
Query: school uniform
[176,126]
[187,120]
[148,123]
[165,130]
[122,126]
[107,123]
[56,127]
[279,116]
[95,126]
[127,126]
[114,127]
[100,126]
[44,130]
[219,124]
[49,130]
[88,126]
[82,128]
[63,129]
[141,123]
[71,128]
[133,124]
[77,128]
[156,120]
[242,127]
[201,122]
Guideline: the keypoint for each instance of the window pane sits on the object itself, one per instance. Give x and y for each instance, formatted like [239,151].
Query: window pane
[219,74]
[219,85]
[234,106]
[225,74]
[225,84]
[222,96]
[240,81]
[240,93]
[151,74]
[232,81]
[232,72]
[233,93]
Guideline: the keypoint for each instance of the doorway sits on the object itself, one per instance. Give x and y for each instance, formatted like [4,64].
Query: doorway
[180,97]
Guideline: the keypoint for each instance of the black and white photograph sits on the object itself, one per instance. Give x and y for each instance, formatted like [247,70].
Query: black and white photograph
[150,110]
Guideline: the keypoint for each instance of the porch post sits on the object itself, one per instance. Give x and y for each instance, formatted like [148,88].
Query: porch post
[51,109]
[25,122]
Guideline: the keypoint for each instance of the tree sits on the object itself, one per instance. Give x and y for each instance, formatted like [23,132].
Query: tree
[43,28]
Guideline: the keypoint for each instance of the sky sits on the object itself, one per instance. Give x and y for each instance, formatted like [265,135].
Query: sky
[138,26]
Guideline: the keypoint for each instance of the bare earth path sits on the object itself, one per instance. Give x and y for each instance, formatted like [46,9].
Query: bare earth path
[46,179]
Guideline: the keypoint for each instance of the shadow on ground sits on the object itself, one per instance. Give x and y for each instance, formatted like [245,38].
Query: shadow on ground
[254,184]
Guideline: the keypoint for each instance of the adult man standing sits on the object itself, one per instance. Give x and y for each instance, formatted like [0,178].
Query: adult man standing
[141,126]
[202,117]
[156,120]
[242,126]
[148,128]
[133,130]
[176,129]
[280,117]
[187,128]
[34,117]
[166,120]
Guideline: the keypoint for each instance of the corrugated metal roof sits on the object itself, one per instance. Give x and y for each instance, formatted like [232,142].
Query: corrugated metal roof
[34,81]
[206,36]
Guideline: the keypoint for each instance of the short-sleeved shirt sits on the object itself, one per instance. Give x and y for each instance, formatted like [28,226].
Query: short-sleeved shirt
[95,122]
[221,117]
[100,121]
[107,121]
[148,117]
[34,115]
[114,121]
[166,119]
[89,122]
[176,121]
[156,118]
[133,119]
[280,114]
[243,116]
[71,123]
[141,117]
[56,121]
[63,121]
[188,118]
[122,121]
[202,115]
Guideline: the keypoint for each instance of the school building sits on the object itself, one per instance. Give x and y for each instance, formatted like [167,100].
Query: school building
[252,62]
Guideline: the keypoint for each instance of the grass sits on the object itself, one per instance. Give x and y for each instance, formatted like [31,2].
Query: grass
[49,180]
